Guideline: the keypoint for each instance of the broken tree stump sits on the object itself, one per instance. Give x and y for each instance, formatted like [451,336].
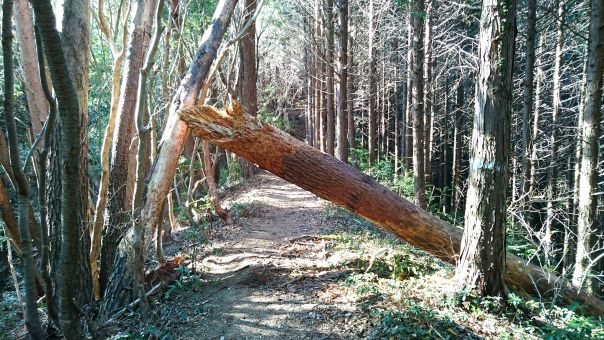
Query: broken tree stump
[342,184]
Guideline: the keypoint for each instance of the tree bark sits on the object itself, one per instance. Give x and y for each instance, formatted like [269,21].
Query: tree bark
[345,186]
[248,73]
[372,85]
[527,99]
[38,107]
[417,105]
[212,189]
[117,212]
[75,37]
[101,202]
[428,93]
[350,97]
[589,124]
[343,97]
[552,226]
[482,262]
[162,171]
[329,77]
[408,135]
[71,195]
[32,318]
[456,188]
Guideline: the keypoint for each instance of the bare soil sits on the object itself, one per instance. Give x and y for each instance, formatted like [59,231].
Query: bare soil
[270,275]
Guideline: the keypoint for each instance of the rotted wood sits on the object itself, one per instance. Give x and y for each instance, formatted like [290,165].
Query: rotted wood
[342,184]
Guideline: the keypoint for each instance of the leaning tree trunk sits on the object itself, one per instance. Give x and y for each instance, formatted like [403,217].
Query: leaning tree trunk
[118,293]
[343,185]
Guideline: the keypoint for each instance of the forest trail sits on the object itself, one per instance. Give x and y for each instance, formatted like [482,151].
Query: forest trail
[270,275]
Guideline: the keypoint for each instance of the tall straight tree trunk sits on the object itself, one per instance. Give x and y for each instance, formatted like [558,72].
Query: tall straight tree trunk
[248,72]
[343,97]
[428,90]
[162,172]
[350,96]
[482,262]
[589,123]
[32,319]
[534,181]
[71,189]
[329,55]
[527,101]
[372,143]
[76,44]
[116,215]
[552,226]
[409,97]
[417,105]
[317,77]
[456,188]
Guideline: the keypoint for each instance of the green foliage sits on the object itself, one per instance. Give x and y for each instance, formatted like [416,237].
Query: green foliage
[416,322]
[275,120]
[187,281]
[231,175]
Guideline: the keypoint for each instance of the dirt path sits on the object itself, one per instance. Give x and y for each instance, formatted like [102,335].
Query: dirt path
[270,275]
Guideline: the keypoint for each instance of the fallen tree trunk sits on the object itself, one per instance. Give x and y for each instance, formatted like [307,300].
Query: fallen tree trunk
[335,181]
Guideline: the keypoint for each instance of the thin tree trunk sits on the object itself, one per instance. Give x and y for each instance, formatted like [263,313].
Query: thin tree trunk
[32,319]
[343,97]
[482,262]
[428,86]
[248,73]
[409,102]
[49,130]
[137,264]
[552,226]
[372,85]
[350,97]
[417,106]
[101,202]
[117,213]
[457,147]
[212,189]
[528,105]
